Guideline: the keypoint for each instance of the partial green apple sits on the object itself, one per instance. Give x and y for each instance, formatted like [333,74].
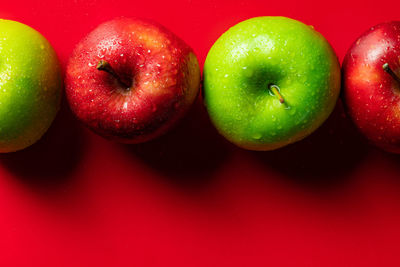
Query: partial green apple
[30,85]
[269,82]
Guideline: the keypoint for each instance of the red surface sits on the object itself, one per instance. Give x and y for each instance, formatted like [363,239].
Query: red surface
[190,198]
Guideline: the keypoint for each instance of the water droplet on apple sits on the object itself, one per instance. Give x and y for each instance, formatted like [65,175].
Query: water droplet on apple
[257,136]
[292,111]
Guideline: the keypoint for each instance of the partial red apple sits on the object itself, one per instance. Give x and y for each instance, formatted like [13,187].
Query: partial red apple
[131,80]
[371,85]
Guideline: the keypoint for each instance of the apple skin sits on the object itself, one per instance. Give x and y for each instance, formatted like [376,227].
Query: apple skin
[30,85]
[370,94]
[261,51]
[162,72]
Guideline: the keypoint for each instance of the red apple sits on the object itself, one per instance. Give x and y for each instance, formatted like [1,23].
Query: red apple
[131,80]
[371,87]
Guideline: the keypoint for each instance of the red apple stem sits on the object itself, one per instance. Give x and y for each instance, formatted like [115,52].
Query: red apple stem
[276,90]
[391,72]
[105,66]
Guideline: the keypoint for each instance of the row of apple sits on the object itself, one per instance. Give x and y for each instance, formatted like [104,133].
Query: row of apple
[268,82]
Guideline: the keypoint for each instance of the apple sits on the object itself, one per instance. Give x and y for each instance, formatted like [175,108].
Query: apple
[131,80]
[269,82]
[30,85]
[372,86]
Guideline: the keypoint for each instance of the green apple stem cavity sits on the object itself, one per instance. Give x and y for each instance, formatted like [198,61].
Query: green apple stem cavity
[276,91]
[105,66]
[391,72]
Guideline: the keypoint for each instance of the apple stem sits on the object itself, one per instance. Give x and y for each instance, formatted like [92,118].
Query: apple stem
[105,66]
[275,89]
[391,72]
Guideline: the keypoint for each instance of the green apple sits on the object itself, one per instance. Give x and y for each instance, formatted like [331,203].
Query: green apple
[30,85]
[269,82]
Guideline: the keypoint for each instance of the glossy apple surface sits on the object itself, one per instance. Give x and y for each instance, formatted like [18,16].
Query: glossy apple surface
[371,94]
[153,79]
[269,82]
[30,85]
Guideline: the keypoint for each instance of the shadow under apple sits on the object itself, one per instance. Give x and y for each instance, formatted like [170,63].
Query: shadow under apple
[189,154]
[50,161]
[323,159]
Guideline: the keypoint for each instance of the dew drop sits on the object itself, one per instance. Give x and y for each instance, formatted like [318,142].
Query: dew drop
[257,136]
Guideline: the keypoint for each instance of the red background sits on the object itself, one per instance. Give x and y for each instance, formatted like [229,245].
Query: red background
[190,198]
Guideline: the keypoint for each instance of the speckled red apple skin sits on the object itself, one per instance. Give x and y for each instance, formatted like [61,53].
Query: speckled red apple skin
[161,68]
[371,95]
